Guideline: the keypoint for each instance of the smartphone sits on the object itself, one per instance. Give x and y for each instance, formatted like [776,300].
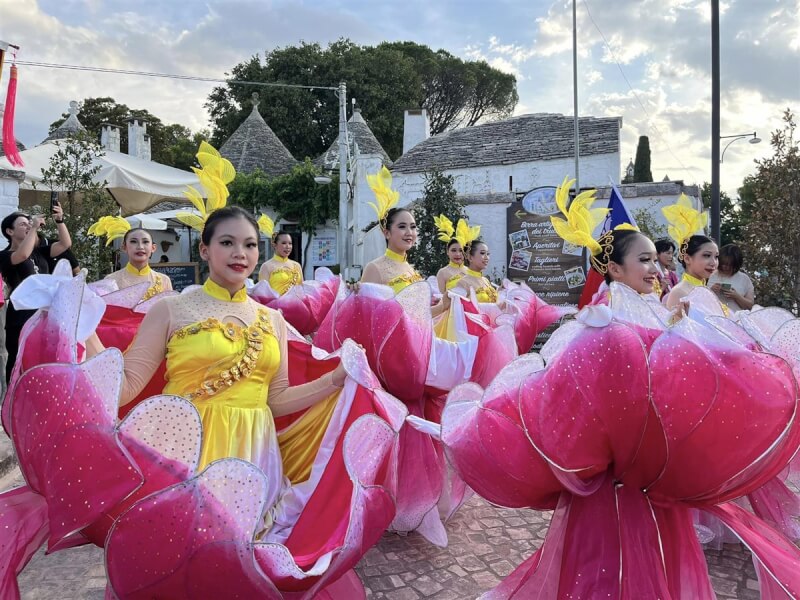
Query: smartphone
[725,287]
[53,200]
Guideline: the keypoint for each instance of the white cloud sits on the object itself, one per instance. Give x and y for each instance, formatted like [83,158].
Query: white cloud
[663,47]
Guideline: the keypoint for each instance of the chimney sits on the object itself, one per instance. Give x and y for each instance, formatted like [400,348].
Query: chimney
[416,128]
[109,137]
[138,140]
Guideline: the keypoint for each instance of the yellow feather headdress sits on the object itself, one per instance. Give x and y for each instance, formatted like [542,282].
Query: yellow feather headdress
[684,221]
[381,185]
[266,225]
[111,227]
[463,233]
[580,223]
[215,174]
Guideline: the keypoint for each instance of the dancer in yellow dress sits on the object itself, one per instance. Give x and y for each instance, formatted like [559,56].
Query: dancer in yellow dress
[282,272]
[226,352]
[137,244]
[448,276]
[697,253]
[477,256]
[400,230]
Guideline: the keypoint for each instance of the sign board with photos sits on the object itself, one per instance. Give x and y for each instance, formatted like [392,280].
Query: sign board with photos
[323,250]
[551,267]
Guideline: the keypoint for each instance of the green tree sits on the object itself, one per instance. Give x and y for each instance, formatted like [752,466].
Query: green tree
[647,223]
[731,218]
[73,171]
[295,197]
[771,241]
[385,80]
[438,198]
[173,145]
[641,166]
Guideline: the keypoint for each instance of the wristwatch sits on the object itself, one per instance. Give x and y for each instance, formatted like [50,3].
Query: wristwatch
[58,222]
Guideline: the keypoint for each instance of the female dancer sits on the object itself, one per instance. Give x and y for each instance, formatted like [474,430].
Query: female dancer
[698,254]
[303,304]
[138,245]
[448,276]
[623,461]
[281,272]
[133,290]
[390,316]
[477,258]
[392,269]
[310,491]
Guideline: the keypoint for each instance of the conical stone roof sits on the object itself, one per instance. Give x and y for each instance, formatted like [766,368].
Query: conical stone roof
[255,146]
[361,141]
[69,127]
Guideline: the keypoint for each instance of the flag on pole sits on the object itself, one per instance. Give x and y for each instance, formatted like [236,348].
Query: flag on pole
[617,215]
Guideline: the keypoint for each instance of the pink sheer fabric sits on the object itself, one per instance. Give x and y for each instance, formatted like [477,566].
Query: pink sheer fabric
[133,486]
[117,329]
[397,335]
[623,460]
[304,306]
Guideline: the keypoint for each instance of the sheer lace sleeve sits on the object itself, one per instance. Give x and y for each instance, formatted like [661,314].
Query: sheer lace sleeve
[147,350]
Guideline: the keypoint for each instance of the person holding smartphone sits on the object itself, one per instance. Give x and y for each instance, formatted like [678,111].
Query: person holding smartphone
[28,253]
[733,286]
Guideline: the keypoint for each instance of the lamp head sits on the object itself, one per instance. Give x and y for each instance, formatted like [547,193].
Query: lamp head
[755,139]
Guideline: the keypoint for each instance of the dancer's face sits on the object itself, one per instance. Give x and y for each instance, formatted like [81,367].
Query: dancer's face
[479,256]
[283,245]
[456,254]
[704,262]
[232,253]
[402,233]
[638,269]
[139,247]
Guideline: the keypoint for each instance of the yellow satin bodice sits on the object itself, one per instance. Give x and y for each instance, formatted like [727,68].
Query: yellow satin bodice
[403,281]
[285,277]
[225,370]
[485,293]
[217,362]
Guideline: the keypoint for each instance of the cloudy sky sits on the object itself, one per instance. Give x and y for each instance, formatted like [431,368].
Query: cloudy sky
[645,60]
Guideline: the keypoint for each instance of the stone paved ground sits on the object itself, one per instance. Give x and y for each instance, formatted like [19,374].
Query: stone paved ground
[486,543]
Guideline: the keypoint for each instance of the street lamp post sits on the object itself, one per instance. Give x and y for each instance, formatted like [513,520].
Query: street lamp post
[344,217]
[715,110]
[754,139]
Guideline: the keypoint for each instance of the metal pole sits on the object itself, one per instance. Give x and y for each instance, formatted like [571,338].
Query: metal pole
[715,109]
[344,242]
[575,94]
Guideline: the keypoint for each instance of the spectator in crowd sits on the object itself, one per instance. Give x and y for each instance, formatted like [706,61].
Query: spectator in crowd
[730,283]
[28,253]
[667,278]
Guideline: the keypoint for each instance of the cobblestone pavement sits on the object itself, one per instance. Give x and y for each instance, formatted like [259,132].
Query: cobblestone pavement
[486,544]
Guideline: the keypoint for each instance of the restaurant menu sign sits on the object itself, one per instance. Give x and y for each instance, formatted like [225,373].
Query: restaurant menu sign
[551,267]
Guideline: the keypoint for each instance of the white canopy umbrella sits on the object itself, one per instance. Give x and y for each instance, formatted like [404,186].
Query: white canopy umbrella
[134,183]
[147,222]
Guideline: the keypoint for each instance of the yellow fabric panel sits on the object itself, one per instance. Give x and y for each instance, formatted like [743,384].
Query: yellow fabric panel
[284,279]
[300,442]
[236,419]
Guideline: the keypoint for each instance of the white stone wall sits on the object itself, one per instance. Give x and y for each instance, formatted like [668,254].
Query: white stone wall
[9,196]
[596,171]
